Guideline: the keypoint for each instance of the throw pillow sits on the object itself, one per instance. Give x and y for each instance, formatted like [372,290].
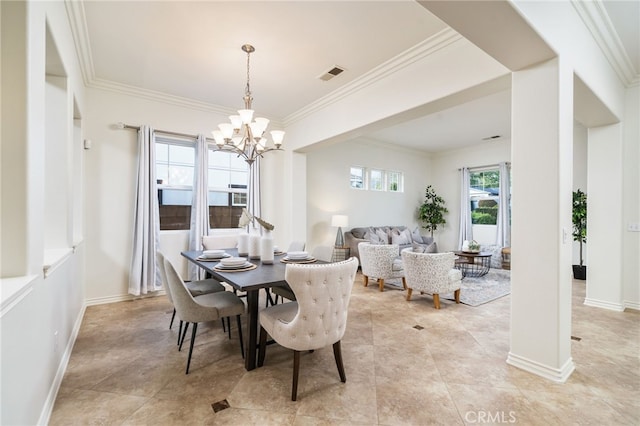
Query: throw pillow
[424,248]
[383,235]
[400,237]
[416,237]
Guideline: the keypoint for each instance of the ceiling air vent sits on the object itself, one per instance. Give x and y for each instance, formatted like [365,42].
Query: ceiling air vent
[333,72]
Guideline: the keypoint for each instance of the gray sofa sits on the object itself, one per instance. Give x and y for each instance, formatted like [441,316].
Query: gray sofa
[359,235]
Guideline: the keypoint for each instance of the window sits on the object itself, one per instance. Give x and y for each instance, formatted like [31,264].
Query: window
[394,182]
[484,195]
[174,173]
[376,180]
[357,177]
[228,180]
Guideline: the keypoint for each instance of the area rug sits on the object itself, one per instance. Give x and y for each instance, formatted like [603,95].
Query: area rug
[477,291]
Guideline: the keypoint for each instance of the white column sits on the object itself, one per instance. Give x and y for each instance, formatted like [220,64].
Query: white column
[542,157]
[604,217]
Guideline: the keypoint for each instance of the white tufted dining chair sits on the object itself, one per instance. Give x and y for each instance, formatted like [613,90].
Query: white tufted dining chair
[381,261]
[431,273]
[317,318]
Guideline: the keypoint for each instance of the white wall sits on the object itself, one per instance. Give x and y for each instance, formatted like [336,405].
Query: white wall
[446,181]
[579,178]
[40,315]
[328,173]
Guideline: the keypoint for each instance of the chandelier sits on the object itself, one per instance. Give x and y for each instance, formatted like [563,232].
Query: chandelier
[244,135]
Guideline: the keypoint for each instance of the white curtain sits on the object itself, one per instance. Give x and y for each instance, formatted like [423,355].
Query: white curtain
[466,232]
[145,275]
[503,237]
[199,204]
[254,203]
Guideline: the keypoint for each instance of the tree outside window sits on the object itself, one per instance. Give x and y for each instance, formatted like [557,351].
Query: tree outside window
[484,192]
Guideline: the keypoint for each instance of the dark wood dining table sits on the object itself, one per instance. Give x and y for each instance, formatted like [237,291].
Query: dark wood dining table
[263,276]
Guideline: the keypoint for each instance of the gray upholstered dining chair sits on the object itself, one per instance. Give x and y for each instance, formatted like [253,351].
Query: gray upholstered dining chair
[318,317]
[296,246]
[381,261]
[196,288]
[206,307]
[431,273]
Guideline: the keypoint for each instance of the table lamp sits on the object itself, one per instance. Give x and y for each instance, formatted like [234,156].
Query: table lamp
[339,220]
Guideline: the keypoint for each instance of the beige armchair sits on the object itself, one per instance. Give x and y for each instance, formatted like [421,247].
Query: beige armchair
[431,273]
[380,261]
[318,317]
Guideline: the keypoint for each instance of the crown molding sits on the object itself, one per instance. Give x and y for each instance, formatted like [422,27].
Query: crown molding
[423,49]
[78,23]
[596,19]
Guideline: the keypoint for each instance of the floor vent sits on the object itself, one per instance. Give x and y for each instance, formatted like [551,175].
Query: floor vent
[333,72]
[220,405]
[577,339]
[418,327]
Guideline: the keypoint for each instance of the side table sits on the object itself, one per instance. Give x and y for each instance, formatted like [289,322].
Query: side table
[340,254]
[473,264]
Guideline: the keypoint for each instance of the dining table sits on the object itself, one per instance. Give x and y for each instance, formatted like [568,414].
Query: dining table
[263,276]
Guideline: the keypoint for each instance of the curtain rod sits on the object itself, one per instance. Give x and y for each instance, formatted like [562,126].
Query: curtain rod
[166,132]
[486,166]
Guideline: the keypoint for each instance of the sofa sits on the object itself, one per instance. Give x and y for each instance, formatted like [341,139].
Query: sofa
[399,235]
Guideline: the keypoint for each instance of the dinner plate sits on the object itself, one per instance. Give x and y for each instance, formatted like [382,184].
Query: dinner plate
[302,255]
[213,259]
[213,253]
[308,259]
[233,261]
[246,264]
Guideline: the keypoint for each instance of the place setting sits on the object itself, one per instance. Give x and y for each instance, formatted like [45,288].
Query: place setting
[298,257]
[213,255]
[234,264]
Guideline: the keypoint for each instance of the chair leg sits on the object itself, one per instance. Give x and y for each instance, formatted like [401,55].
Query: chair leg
[262,346]
[240,336]
[337,354]
[172,318]
[366,280]
[193,339]
[404,283]
[456,294]
[296,370]
[224,327]
[179,333]
[409,291]
[381,283]
[184,333]
[229,327]
[436,301]
[269,300]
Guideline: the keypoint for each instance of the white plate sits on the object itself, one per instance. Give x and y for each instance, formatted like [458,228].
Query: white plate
[288,259]
[213,253]
[230,267]
[298,255]
[233,261]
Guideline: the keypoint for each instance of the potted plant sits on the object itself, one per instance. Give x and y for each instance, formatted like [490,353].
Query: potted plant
[432,211]
[579,218]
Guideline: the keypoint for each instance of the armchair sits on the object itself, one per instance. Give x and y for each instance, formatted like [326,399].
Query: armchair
[380,261]
[431,273]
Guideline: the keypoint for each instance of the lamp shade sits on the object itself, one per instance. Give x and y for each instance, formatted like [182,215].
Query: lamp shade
[339,220]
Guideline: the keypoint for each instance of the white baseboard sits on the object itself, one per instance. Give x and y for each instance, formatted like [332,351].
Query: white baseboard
[557,375]
[628,304]
[120,298]
[45,414]
[604,304]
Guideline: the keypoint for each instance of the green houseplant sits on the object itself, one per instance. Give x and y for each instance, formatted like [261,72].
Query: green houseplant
[579,218]
[432,211]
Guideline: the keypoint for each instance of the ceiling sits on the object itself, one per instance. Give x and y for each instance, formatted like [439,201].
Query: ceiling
[192,50]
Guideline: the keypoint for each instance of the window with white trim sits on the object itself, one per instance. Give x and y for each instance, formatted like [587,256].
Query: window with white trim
[357,177]
[394,182]
[376,180]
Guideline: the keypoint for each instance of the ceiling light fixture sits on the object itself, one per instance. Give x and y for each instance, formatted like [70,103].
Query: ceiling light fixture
[245,136]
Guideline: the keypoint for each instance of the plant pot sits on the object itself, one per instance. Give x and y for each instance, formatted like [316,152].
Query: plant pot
[579,272]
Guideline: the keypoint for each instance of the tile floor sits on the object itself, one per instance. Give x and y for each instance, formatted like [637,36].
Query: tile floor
[125,370]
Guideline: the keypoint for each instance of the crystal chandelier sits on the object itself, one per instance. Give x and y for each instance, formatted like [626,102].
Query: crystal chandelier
[244,135]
